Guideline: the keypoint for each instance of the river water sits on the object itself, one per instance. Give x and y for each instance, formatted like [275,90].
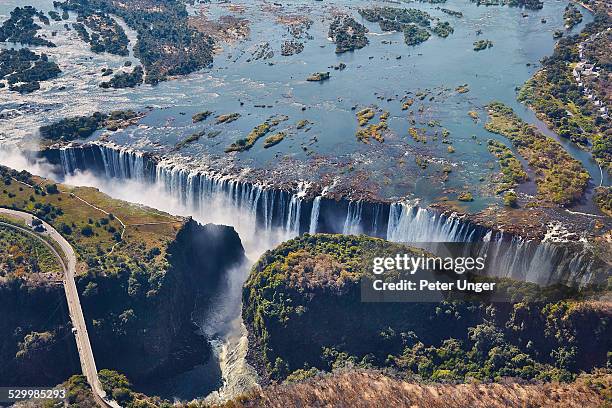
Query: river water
[379,75]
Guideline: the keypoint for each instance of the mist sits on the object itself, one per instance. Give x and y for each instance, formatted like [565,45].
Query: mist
[11,157]
[218,210]
[220,321]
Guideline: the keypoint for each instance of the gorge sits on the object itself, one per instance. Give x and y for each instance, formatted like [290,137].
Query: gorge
[535,257]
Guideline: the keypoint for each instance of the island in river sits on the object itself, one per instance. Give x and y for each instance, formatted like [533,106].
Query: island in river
[402,132]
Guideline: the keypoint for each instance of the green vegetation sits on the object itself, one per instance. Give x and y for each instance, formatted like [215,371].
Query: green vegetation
[274,139]
[302,307]
[347,34]
[254,135]
[465,88]
[82,127]
[22,255]
[364,116]
[23,70]
[116,386]
[413,22]
[248,142]
[82,32]
[571,16]
[559,101]
[512,169]
[318,77]
[482,45]
[138,271]
[167,45]
[201,116]
[399,15]
[418,135]
[465,196]
[106,34]
[407,104]
[528,4]
[125,79]
[189,139]
[603,199]
[55,15]
[414,35]
[374,131]
[93,233]
[510,199]
[560,179]
[443,29]
[20,27]
[227,118]
[452,12]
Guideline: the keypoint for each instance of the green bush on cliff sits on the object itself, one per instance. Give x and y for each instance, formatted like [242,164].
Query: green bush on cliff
[146,283]
[303,311]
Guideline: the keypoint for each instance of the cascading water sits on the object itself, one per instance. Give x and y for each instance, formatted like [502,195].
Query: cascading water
[264,217]
[411,223]
[314,215]
[268,210]
[352,224]
[293,217]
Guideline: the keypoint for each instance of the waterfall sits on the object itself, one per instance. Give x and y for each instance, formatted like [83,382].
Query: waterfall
[314,215]
[375,216]
[293,216]
[68,159]
[267,208]
[410,223]
[352,223]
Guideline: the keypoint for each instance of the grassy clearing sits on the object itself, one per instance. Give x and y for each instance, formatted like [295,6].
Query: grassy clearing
[108,235]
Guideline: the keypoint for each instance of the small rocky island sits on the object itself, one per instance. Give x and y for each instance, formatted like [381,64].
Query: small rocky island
[318,77]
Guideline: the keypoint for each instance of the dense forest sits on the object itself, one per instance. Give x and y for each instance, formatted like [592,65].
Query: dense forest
[303,310]
[81,127]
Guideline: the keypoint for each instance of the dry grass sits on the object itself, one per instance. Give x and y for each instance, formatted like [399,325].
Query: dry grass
[370,389]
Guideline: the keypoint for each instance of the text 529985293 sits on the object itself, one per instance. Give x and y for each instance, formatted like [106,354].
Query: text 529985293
[13,394]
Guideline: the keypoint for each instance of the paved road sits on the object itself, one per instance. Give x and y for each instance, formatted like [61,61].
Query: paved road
[88,364]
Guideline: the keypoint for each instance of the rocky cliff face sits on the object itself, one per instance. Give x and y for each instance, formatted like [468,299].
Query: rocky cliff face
[136,327]
[303,310]
[147,332]
[36,344]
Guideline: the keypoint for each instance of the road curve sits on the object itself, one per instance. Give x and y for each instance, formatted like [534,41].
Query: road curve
[88,364]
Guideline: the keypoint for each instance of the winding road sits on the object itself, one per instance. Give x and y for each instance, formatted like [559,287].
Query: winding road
[88,364]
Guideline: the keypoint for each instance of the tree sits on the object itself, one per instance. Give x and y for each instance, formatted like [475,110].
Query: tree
[52,189]
[65,229]
[87,231]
